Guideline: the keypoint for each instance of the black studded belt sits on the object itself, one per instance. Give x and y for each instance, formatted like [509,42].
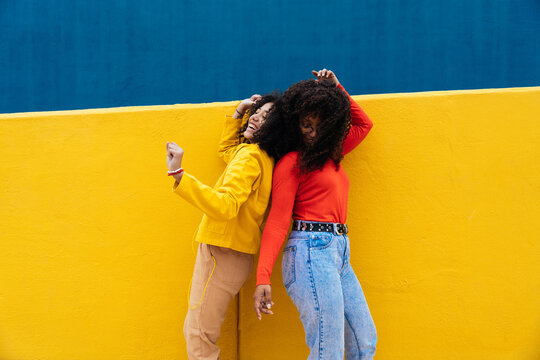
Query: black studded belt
[338,229]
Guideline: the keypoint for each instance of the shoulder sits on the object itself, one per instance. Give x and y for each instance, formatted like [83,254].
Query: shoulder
[250,151]
[249,154]
[287,165]
[290,159]
[246,150]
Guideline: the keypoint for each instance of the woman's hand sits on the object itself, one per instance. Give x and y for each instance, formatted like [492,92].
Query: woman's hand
[244,105]
[263,300]
[174,158]
[326,75]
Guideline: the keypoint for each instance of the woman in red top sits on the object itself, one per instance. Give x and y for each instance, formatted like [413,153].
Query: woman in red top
[310,185]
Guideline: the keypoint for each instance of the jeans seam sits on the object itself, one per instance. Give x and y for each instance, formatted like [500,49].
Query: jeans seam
[314,291]
[354,333]
[292,250]
[345,259]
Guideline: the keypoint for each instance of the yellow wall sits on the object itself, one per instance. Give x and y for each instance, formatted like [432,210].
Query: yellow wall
[444,209]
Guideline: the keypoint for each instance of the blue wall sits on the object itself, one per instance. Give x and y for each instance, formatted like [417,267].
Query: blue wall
[57,55]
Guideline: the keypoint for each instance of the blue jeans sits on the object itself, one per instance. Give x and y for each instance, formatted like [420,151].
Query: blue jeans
[321,282]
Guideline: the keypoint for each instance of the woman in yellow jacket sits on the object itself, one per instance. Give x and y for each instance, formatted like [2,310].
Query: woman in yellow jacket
[234,210]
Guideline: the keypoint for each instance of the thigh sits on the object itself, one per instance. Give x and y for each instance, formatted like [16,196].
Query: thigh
[232,267]
[316,292]
[204,265]
[228,271]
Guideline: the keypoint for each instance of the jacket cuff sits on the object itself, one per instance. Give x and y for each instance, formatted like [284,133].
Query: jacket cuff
[184,184]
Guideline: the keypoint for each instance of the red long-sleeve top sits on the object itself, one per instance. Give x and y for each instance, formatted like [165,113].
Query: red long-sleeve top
[320,195]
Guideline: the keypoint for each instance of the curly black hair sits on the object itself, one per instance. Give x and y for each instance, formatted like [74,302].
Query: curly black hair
[266,98]
[308,98]
[276,136]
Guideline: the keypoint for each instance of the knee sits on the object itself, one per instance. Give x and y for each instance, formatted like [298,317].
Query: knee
[369,343]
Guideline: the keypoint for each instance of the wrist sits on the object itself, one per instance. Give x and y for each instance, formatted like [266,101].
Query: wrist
[237,114]
[178,176]
[240,111]
[177,171]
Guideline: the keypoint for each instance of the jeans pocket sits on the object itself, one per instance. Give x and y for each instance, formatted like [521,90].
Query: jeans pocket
[320,241]
[287,266]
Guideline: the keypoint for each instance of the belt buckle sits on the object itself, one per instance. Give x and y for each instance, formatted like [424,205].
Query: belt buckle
[336,230]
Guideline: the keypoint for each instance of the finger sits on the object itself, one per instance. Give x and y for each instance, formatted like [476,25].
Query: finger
[268,296]
[258,312]
[315,73]
[175,147]
[266,307]
[257,304]
[325,72]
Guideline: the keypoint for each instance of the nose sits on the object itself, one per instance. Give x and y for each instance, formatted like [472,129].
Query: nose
[310,134]
[255,118]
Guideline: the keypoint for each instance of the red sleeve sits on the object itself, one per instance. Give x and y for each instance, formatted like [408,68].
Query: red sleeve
[360,125]
[284,186]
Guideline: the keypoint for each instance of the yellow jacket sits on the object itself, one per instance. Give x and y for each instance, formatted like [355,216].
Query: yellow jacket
[236,207]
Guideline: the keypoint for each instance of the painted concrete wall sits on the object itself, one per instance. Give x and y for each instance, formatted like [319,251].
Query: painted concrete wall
[444,204]
[78,54]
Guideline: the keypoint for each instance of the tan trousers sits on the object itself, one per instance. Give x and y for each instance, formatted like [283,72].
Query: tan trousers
[202,326]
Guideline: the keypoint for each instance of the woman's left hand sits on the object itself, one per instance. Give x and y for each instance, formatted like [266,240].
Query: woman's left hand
[263,300]
[326,74]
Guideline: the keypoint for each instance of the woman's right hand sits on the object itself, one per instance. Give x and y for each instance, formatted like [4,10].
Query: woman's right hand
[244,105]
[326,74]
[263,300]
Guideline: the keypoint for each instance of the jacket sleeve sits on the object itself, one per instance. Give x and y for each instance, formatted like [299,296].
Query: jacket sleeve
[361,124]
[223,202]
[230,136]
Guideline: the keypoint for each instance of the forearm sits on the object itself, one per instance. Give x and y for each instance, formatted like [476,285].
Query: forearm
[361,125]
[225,199]
[218,204]
[230,138]
[273,238]
[240,111]
[358,116]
